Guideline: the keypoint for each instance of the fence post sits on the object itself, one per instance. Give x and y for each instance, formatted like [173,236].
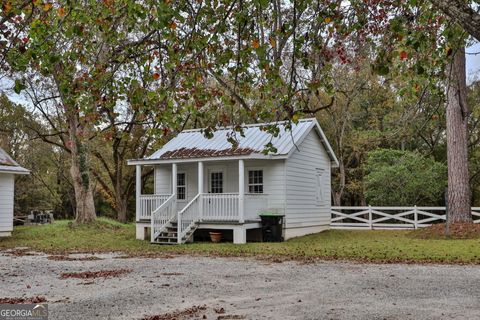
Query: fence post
[179,227]
[370,216]
[415,217]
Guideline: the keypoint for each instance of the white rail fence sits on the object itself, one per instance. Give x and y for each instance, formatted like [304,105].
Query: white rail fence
[390,217]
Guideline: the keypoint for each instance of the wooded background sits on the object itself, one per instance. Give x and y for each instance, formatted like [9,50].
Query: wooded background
[106,81]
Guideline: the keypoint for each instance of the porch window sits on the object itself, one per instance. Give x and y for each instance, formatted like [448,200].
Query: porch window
[216,182]
[255,181]
[181,186]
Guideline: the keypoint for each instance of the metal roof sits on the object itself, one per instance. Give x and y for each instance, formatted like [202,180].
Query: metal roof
[193,143]
[7,164]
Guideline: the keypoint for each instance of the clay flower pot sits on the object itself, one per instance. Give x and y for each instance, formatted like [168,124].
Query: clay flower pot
[216,236]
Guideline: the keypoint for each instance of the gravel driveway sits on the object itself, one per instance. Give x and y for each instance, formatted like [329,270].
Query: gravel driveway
[233,288]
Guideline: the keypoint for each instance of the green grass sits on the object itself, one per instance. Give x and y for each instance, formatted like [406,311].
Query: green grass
[373,246]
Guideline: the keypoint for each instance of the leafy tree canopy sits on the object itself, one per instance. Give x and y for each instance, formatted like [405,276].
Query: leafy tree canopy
[403,178]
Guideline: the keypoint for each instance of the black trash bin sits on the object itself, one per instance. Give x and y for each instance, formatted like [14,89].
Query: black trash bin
[272,227]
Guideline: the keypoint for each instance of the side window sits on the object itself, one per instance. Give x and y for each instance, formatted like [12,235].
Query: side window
[181,186]
[319,177]
[255,181]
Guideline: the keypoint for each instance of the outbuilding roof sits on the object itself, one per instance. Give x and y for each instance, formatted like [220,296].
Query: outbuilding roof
[8,165]
[192,144]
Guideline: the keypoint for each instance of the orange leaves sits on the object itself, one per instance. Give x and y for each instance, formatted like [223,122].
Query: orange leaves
[7,7]
[403,55]
[448,51]
[156,76]
[273,42]
[61,12]
[172,25]
[47,6]
[255,44]
[328,20]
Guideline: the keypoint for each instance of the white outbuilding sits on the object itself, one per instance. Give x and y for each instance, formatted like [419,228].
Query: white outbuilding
[202,183]
[8,169]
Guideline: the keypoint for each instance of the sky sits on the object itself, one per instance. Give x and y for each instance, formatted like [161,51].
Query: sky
[473,62]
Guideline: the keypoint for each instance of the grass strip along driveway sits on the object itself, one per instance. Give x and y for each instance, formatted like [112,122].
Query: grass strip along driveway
[381,246]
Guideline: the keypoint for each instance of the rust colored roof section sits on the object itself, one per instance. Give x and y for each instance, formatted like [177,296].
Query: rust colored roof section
[6,160]
[184,153]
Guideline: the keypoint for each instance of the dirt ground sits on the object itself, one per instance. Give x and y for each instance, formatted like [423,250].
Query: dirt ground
[108,286]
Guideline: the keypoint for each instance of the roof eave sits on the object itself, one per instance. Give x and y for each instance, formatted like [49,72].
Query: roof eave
[146,161]
[24,171]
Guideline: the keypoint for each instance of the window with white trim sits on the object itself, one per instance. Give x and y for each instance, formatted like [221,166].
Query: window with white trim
[181,186]
[320,196]
[216,182]
[255,181]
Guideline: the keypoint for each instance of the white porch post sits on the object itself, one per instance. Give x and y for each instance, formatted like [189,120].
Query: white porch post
[174,192]
[239,235]
[174,186]
[174,178]
[200,189]
[241,191]
[138,191]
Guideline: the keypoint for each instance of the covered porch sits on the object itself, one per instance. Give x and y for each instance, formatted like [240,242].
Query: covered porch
[201,194]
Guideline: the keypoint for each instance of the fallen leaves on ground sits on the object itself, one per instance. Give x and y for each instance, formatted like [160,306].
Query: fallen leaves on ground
[36,299]
[456,231]
[67,258]
[19,252]
[172,274]
[95,274]
[194,311]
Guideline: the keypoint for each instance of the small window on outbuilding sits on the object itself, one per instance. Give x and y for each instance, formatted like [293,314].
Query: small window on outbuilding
[319,177]
[181,186]
[255,181]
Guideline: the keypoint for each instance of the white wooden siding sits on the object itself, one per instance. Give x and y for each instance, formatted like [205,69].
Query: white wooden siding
[273,175]
[302,207]
[6,202]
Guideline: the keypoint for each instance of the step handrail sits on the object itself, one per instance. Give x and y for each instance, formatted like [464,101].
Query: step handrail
[162,216]
[188,217]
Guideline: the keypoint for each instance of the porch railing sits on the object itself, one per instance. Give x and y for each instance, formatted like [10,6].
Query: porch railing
[164,214]
[220,206]
[149,203]
[187,218]
[390,217]
[212,206]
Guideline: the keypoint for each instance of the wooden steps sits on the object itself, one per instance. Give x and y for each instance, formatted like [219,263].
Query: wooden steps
[169,236]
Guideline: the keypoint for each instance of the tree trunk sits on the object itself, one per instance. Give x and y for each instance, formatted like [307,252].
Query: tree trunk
[457,142]
[121,206]
[462,13]
[85,205]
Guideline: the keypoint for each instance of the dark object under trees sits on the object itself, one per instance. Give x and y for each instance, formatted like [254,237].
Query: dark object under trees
[272,227]
[457,114]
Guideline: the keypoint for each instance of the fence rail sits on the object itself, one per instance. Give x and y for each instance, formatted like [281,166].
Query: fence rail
[164,214]
[149,203]
[369,217]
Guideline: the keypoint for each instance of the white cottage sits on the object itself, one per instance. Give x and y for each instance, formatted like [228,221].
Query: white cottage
[202,183]
[8,169]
